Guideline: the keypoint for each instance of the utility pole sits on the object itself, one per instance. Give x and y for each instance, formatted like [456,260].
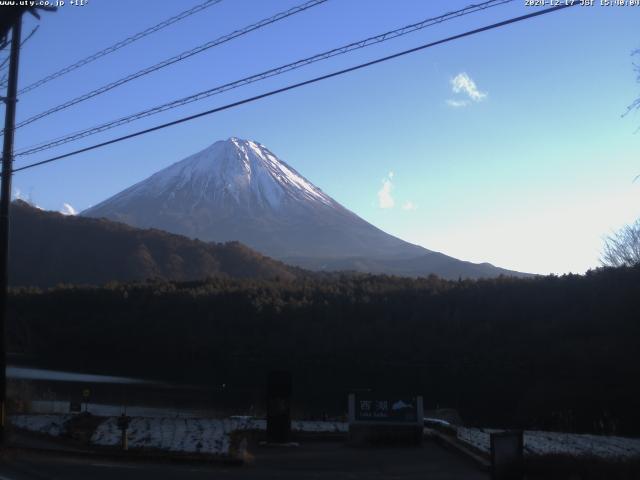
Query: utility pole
[5,203]
[11,19]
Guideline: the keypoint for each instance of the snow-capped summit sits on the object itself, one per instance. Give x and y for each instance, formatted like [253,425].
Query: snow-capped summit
[239,190]
[233,170]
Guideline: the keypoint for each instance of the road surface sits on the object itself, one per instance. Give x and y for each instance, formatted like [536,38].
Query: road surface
[312,460]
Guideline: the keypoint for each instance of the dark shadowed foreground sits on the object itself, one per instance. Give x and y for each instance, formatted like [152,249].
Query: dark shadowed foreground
[312,460]
[549,353]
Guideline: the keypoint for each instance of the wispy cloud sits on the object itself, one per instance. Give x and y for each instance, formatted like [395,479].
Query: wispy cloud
[457,103]
[409,205]
[464,84]
[386,194]
[385,199]
[67,209]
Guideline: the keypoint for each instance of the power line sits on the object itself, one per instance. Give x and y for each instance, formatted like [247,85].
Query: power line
[31,34]
[4,63]
[298,85]
[177,58]
[260,76]
[122,43]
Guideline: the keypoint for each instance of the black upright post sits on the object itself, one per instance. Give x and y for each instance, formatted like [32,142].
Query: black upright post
[5,204]
[279,391]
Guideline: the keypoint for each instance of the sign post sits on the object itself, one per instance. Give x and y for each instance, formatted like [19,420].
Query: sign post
[123,423]
[86,393]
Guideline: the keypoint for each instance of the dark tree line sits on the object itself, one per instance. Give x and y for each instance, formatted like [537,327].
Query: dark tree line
[547,352]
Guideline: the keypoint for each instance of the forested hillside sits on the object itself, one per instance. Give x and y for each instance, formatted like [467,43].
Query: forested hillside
[48,248]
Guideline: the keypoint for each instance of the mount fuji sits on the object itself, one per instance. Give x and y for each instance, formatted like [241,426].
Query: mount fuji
[239,190]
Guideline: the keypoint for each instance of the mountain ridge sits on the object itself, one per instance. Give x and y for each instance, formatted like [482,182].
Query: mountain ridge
[49,248]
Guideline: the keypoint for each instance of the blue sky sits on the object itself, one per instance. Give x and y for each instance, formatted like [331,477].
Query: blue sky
[527,166]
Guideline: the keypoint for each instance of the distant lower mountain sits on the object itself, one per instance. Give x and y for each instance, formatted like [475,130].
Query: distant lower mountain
[48,248]
[239,190]
[419,266]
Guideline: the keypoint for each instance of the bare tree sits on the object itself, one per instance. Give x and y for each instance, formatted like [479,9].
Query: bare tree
[623,247]
[635,105]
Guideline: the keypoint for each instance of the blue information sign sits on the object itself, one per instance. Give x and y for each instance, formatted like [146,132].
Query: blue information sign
[372,409]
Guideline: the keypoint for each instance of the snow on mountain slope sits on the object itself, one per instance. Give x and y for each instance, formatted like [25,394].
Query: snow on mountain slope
[244,171]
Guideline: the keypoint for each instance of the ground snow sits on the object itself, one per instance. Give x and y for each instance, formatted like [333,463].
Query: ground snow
[53,425]
[213,436]
[555,443]
[319,426]
[437,421]
[174,434]
[191,435]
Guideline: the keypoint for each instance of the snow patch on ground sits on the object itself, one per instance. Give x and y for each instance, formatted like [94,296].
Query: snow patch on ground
[319,426]
[53,425]
[173,434]
[190,435]
[555,443]
[436,421]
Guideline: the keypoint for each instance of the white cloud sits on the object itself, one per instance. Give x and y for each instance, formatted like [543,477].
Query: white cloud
[462,83]
[409,205]
[385,199]
[17,195]
[68,210]
[457,103]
